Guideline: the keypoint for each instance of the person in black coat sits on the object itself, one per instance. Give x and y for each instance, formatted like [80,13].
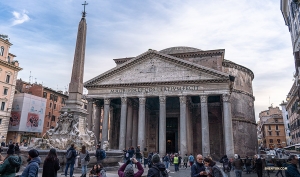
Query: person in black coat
[51,164]
[258,165]
[157,168]
[198,168]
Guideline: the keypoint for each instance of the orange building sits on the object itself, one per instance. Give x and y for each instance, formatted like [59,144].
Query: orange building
[9,68]
[272,128]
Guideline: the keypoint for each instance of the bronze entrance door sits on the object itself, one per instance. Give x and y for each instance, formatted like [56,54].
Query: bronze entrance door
[172,135]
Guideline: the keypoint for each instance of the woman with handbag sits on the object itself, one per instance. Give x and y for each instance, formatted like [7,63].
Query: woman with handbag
[51,164]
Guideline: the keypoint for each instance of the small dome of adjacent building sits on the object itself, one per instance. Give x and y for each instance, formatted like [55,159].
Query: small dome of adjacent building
[179,49]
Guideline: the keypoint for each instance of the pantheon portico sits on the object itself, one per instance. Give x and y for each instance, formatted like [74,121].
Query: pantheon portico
[179,99]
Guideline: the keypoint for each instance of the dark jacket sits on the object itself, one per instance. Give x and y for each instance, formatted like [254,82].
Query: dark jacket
[72,160]
[50,168]
[10,166]
[32,169]
[155,170]
[238,164]
[196,169]
[131,153]
[292,171]
[138,154]
[258,164]
[137,174]
[166,158]
[98,154]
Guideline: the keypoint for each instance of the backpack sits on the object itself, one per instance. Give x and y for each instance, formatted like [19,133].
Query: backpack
[87,157]
[191,158]
[69,154]
[102,154]
[102,173]
[222,172]
[162,173]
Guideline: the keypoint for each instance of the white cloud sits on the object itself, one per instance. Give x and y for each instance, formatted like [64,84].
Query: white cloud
[20,18]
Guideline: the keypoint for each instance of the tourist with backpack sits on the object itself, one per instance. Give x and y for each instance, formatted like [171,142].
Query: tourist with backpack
[71,157]
[84,157]
[191,160]
[100,154]
[158,169]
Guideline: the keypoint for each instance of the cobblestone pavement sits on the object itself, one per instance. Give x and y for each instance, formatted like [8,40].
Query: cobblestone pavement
[182,173]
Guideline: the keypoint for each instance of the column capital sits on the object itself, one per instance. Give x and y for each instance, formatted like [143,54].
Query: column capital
[182,99]
[124,100]
[90,100]
[142,100]
[107,101]
[162,99]
[226,97]
[203,98]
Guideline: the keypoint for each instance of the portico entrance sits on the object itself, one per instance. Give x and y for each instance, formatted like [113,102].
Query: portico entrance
[172,135]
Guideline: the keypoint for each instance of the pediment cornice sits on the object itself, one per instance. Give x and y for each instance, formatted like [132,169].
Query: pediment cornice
[152,53]
[159,83]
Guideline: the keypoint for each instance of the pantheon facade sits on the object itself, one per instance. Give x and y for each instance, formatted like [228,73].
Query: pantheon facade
[180,99]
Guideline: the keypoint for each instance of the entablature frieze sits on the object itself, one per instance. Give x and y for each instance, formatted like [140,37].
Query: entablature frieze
[161,90]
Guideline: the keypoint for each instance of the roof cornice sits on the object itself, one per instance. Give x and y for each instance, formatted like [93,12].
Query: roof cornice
[6,41]
[9,65]
[230,64]
[216,52]
[151,53]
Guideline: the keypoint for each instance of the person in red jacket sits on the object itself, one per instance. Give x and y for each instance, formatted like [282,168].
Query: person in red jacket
[126,170]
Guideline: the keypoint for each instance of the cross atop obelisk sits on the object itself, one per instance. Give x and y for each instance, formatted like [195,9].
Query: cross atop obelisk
[84,13]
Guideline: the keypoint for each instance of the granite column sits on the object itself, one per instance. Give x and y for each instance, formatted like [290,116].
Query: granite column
[123,123]
[228,134]
[129,124]
[97,122]
[204,126]
[183,147]
[105,120]
[135,125]
[162,125]
[141,127]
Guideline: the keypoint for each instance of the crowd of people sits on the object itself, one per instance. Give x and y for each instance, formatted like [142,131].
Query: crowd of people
[157,166]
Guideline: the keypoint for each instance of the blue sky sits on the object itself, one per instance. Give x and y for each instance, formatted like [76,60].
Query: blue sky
[252,33]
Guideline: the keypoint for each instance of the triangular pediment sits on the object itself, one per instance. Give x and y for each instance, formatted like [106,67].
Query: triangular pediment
[153,66]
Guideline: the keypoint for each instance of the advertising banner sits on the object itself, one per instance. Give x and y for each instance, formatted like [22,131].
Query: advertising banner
[28,112]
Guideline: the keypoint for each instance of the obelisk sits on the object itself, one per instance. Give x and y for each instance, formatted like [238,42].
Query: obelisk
[72,125]
[74,102]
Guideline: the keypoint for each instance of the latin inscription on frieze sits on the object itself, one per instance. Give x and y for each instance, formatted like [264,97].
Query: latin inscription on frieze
[156,89]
